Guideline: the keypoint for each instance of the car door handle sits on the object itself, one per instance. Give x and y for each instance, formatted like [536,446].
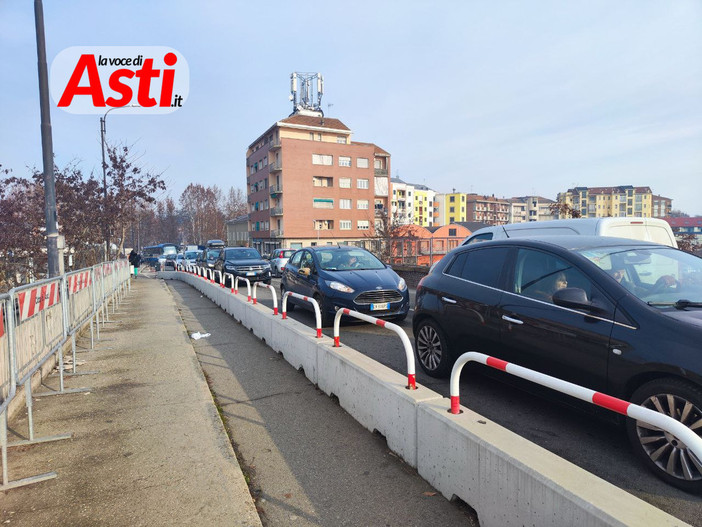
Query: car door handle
[512,320]
[448,300]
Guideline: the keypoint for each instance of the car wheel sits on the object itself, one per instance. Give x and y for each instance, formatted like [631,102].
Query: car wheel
[289,306]
[327,319]
[432,349]
[662,452]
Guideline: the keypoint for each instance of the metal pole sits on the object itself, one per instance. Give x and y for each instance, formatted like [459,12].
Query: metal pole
[105,225]
[50,214]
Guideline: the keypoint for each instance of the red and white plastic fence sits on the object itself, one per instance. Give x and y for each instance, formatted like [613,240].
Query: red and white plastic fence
[409,353]
[317,312]
[688,437]
[248,287]
[275,297]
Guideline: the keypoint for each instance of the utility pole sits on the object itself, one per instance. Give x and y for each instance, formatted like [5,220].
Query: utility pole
[50,214]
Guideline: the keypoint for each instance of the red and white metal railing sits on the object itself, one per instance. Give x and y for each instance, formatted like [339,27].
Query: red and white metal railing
[691,440]
[409,353]
[221,282]
[317,312]
[275,297]
[248,287]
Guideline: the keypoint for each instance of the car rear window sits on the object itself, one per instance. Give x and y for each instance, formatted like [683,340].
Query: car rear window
[482,267]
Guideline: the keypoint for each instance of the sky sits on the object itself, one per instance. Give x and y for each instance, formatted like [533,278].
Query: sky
[510,98]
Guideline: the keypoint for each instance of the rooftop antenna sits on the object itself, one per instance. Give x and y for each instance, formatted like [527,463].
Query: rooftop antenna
[304,88]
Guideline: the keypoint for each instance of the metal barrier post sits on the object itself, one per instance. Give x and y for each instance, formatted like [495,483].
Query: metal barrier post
[409,353]
[248,287]
[275,298]
[315,305]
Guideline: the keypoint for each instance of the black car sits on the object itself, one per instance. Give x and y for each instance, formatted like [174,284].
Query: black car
[244,262]
[618,316]
[207,258]
[345,276]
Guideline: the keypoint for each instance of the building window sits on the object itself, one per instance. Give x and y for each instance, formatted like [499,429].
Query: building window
[341,139]
[361,162]
[344,182]
[362,183]
[452,209]
[322,159]
[362,225]
[362,204]
[318,181]
[344,161]
[322,203]
[452,199]
[311,136]
[345,225]
[323,225]
[344,203]
[452,232]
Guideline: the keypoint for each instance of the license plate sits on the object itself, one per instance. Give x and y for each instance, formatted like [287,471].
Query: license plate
[251,273]
[380,307]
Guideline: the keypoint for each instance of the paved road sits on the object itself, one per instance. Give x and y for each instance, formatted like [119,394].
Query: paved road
[591,443]
[309,462]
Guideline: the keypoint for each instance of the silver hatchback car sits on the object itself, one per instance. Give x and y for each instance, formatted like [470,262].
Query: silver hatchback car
[279,258]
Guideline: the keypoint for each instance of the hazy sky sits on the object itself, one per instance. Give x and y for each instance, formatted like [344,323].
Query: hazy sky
[496,97]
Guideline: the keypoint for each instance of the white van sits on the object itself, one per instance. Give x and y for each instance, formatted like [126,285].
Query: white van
[646,229]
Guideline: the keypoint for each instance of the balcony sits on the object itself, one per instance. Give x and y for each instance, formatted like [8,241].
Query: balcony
[277,234]
[381,172]
[276,145]
[277,211]
[276,189]
[275,167]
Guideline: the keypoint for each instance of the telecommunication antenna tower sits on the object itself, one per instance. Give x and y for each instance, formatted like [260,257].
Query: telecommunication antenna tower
[304,89]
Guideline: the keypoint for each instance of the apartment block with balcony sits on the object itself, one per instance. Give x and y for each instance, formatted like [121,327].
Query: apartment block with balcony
[530,208]
[402,204]
[661,206]
[426,208]
[487,209]
[602,202]
[310,184]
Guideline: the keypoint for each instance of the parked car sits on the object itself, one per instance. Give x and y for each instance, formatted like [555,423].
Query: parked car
[244,262]
[648,229]
[190,257]
[208,257]
[279,258]
[169,262]
[345,276]
[618,316]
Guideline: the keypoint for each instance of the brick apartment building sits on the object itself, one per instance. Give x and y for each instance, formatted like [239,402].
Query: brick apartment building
[308,183]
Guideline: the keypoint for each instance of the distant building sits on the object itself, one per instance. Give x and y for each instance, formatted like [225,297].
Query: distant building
[426,208]
[452,208]
[662,207]
[687,226]
[402,201]
[602,202]
[309,183]
[530,208]
[486,209]
[238,231]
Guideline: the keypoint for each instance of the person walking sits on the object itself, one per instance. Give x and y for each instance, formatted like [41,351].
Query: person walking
[135,262]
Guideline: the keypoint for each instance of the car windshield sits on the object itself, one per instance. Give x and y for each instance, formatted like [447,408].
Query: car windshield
[659,276]
[351,260]
[191,255]
[212,254]
[242,254]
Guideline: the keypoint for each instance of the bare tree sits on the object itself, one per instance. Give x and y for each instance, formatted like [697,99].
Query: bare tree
[563,210]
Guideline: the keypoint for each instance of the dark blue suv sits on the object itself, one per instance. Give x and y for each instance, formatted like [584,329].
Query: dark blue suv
[345,276]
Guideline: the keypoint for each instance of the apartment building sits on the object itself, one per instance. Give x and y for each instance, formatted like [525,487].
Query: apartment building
[600,202]
[310,184]
[426,208]
[530,208]
[487,209]
[662,207]
[402,204]
[452,208]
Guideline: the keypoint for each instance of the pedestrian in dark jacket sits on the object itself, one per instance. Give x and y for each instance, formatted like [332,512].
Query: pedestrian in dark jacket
[135,261]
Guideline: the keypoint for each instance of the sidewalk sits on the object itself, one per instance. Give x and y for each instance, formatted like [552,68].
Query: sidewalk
[147,447]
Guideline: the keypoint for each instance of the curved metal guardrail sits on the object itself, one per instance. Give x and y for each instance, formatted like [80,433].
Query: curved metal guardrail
[688,437]
[275,297]
[315,305]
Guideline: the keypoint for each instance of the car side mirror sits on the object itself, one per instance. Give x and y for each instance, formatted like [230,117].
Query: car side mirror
[576,298]
[304,271]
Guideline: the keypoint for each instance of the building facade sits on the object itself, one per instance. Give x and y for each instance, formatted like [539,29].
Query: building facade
[308,183]
[486,209]
[403,195]
[602,202]
[662,207]
[530,208]
[426,208]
